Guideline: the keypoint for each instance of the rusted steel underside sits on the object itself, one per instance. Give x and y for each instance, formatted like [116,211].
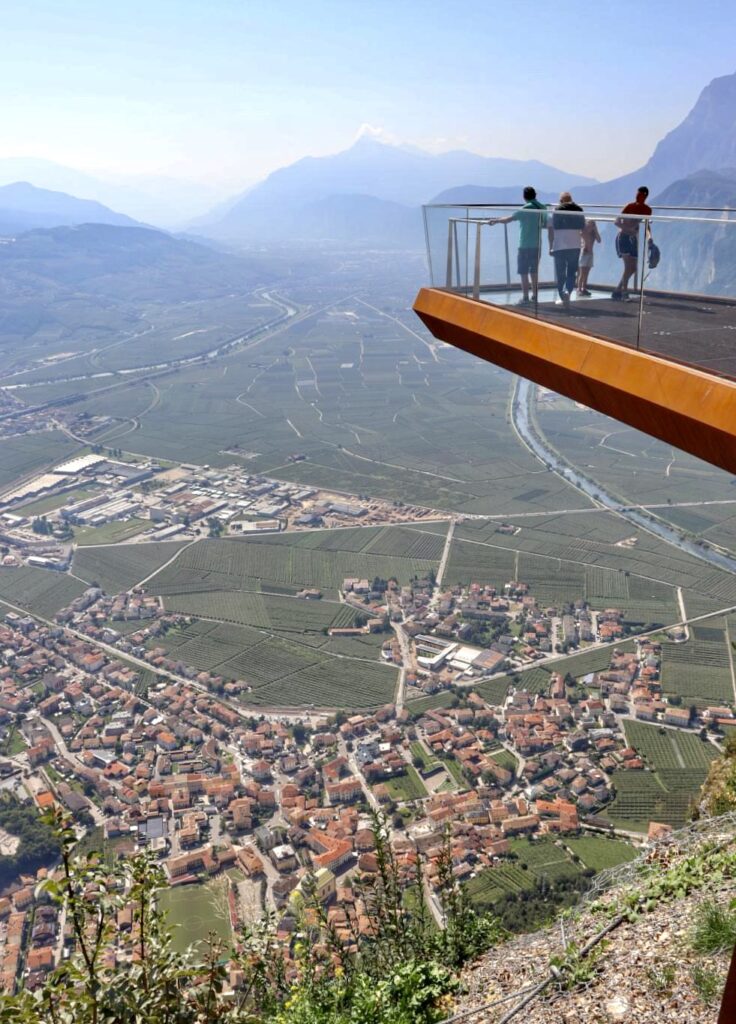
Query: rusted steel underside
[677,403]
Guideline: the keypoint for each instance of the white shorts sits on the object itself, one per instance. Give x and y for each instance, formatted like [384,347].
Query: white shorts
[586,259]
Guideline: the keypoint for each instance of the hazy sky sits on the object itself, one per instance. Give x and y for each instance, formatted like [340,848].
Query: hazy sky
[228,90]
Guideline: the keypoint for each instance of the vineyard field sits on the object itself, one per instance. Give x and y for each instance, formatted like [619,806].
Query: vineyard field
[39,591]
[322,559]
[699,670]
[599,852]
[119,567]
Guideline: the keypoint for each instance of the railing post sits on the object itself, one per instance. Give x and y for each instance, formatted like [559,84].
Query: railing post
[457,253]
[506,245]
[428,246]
[476,269]
[645,234]
[448,277]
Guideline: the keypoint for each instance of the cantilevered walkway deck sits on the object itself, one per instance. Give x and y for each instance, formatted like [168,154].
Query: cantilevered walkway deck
[663,362]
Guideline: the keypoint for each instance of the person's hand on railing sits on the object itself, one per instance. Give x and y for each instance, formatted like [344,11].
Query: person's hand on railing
[492,221]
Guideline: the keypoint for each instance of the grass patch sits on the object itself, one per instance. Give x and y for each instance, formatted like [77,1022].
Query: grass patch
[13,743]
[419,753]
[506,759]
[715,929]
[455,769]
[194,911]
[110,533]
[407,786]
[599,853]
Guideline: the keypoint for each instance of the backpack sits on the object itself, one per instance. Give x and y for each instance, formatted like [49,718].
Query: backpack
[654,255]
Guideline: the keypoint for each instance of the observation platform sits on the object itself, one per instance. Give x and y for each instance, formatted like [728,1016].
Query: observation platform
[663,362]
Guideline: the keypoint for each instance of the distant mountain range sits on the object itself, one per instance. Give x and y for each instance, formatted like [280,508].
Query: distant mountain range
[299,201]
[153,199]
[704,142]
[129,263]
[370,193]
[24,207]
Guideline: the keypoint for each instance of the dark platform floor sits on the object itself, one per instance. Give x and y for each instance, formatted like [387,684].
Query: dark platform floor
[689,329]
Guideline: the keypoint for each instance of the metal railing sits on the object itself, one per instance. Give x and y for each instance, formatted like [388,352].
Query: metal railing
[472,250]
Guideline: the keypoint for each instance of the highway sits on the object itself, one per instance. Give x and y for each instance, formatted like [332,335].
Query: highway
[522,419]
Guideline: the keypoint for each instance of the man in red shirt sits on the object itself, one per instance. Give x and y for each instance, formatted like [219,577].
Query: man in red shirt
[627,240]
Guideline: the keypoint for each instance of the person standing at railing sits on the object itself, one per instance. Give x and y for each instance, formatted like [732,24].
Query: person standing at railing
[531,220]
[627,240]
[590,235]
[565,229]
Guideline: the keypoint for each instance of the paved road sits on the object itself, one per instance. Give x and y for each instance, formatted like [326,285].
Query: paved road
[531,436]
[97,815]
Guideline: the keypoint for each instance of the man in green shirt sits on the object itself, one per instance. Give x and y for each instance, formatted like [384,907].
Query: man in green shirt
[530,242]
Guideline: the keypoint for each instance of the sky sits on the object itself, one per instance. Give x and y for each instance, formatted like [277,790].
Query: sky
[225,91]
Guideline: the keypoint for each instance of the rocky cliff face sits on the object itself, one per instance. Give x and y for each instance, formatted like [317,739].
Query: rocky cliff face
[663,959]
[705,139]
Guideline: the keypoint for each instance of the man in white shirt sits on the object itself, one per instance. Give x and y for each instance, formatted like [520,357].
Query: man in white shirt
[564,228]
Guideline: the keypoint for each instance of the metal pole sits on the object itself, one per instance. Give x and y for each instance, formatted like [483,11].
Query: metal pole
[476,273]
[426,242]
[508,263]
[645,232]
[457,253]
[448,276]
[467,246]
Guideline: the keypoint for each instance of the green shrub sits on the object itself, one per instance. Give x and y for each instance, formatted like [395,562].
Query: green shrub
[403,972]
[715,928]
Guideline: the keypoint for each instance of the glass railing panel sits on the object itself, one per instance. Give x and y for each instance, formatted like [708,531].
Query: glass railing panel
[689,305]
[448,233]
[580,258]
[684,308]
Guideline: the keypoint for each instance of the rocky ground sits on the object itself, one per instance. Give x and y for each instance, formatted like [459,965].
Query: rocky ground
[646,971]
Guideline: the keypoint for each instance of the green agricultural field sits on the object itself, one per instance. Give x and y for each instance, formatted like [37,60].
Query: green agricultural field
[544,858]
[506,759]
[699,671]
[23,455]
[407,786]
[196,910]
[54,501]
[39,591]
[471,562]
[594,659]
[670,748]
[489,886]
[495,690]
[419,752]
[320,559]
[288,615]
[455,769]
[537,862]
[280,671]
[599,852]
[285,656]
[110,533]
[418,705]
[119,567]
[377,411]
[642,797]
